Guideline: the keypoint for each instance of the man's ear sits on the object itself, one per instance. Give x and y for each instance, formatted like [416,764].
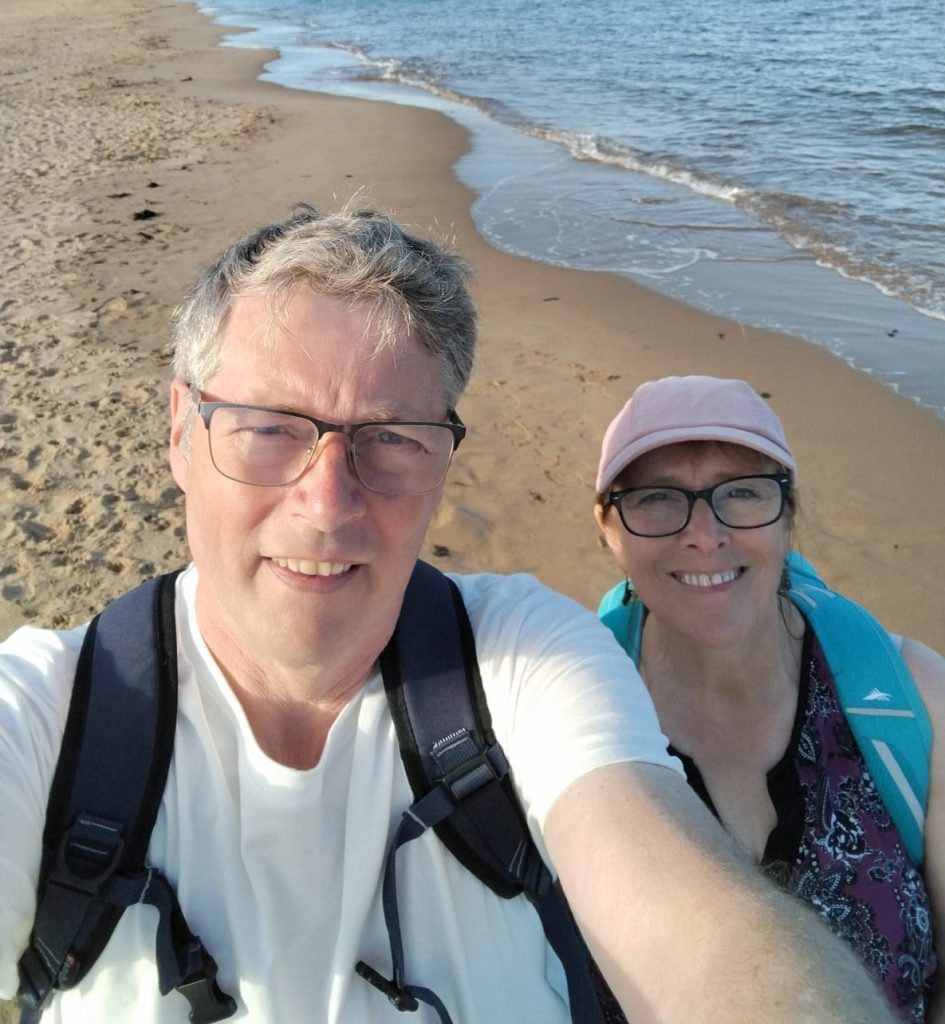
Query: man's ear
[179,450]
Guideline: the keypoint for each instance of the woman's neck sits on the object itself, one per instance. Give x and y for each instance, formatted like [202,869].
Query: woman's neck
[758,668]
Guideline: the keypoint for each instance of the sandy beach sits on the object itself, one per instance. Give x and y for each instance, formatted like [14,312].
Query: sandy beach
[135,148]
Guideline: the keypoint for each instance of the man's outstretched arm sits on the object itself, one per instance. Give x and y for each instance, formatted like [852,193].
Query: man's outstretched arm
[682,924]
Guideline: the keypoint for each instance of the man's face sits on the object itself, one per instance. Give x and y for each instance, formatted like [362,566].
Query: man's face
[309,575]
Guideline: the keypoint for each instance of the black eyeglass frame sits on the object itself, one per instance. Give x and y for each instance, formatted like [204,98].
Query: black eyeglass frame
[205,411]
[615,499]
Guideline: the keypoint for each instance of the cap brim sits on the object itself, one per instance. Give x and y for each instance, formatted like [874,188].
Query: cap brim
[659,439]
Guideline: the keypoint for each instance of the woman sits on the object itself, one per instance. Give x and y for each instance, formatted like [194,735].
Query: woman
[696,500]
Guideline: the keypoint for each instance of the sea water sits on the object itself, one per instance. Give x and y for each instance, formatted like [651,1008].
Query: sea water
[781,162]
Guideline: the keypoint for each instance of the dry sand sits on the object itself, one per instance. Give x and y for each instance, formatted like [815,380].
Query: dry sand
[134,148]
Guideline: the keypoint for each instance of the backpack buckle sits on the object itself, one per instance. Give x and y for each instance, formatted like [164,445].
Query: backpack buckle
[208,1002]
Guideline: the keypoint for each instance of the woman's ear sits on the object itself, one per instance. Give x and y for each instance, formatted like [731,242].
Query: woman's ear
[600,515]
[787,532]
[608,522]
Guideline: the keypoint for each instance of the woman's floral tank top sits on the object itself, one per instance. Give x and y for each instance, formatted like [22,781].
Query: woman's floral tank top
[836,846]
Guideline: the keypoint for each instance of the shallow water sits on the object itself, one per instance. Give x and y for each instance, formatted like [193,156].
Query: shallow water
[784,166]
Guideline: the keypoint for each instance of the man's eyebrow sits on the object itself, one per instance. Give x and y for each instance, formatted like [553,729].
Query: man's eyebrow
[377,415]
[391,414]
[381,416]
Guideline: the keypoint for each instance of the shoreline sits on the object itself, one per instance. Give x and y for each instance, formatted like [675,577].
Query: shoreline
[521,174]
[183,128]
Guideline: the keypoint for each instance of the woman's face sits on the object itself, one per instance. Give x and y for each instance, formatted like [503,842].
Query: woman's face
[711,583]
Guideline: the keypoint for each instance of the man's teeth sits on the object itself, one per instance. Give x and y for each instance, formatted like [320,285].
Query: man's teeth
[309,568]
[703,579]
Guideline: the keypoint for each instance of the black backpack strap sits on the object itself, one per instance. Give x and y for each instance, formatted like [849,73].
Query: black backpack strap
[103,803]
[460,779]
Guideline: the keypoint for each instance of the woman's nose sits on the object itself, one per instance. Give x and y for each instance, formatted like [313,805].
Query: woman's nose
[704,527]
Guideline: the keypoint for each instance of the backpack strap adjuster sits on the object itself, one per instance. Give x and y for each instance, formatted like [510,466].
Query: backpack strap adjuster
[466,766]
[83,869]
[397,996]
[88,854]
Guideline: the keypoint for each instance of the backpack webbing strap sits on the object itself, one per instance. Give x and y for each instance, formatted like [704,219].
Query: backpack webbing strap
[888,719]
[624,617]
[102,806]
[460,779]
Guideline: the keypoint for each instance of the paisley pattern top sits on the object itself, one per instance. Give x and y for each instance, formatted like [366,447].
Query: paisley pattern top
[836,846]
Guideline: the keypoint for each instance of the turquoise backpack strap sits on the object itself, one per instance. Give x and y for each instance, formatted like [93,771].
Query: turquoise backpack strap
[878,697]
[624,618]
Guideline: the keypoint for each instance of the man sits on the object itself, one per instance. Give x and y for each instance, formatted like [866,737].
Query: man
[317,366]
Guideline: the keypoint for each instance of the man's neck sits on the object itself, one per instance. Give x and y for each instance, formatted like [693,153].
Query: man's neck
[291,732]
[290,708]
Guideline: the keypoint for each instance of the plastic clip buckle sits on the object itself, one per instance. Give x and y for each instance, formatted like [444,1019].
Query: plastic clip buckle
[208,1002]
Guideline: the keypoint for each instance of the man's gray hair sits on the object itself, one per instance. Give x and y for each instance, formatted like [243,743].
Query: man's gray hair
[410,284]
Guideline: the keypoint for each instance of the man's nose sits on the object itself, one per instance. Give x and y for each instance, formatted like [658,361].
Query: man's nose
[329,488]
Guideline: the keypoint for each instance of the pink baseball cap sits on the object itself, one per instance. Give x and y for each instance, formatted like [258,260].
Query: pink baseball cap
[675,409]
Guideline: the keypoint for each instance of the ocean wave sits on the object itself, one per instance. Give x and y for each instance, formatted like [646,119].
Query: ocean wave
[415,75]
[802,221]
[582,146]
[935,133]
[920,295]
[599,149]
[777,208]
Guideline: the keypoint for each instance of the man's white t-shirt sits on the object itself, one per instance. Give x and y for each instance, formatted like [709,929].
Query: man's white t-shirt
[279,871]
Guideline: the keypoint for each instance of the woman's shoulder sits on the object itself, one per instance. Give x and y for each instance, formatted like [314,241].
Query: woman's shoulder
[927,668]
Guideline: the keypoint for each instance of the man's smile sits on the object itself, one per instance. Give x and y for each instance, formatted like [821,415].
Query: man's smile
[308,567]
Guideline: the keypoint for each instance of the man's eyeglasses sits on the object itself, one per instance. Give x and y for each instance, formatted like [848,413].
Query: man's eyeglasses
[269,448]
[742,503]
